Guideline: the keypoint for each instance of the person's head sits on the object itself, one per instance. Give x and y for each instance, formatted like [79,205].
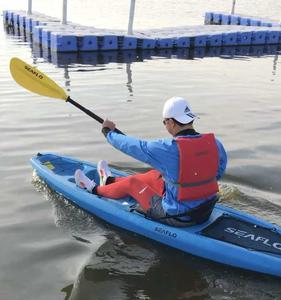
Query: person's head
[177,115]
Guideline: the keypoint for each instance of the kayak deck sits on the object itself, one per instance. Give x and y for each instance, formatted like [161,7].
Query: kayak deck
[58,172]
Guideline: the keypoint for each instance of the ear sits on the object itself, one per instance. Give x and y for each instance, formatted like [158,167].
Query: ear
[173,123]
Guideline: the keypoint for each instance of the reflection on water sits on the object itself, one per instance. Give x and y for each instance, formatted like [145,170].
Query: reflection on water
[130,80]
[130,56]
[126,270]
[142,271]
[131,269]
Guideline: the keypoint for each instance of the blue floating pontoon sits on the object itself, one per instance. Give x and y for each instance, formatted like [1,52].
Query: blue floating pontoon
[220,30]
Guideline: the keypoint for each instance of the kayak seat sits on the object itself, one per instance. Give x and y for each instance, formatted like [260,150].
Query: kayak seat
[198,215]
[201,213]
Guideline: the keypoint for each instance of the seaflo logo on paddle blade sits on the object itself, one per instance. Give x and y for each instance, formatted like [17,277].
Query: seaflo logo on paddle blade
[253,237]
[166,232]
[34,72]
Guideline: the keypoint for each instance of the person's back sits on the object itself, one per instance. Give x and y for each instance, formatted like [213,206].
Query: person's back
[184,191]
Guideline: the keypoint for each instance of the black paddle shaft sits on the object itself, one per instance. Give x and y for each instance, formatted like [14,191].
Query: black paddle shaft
[89,113]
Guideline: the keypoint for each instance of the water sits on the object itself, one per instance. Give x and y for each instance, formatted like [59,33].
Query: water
[52,250]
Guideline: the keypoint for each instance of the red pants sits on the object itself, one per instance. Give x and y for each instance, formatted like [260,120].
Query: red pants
[141,187]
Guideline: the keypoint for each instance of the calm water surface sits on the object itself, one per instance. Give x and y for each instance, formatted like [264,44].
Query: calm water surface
[51,250]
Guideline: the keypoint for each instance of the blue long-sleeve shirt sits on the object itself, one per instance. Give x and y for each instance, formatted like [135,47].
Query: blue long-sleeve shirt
[163,155]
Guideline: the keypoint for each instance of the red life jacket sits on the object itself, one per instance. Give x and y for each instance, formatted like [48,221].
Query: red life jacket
[198,166]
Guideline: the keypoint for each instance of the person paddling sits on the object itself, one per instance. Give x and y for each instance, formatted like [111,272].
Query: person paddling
[182,188]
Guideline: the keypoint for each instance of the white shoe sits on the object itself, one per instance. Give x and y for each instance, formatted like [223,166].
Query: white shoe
[104,171]
[83,181]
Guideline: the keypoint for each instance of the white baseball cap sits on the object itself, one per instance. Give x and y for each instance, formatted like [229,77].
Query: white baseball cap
[179,109]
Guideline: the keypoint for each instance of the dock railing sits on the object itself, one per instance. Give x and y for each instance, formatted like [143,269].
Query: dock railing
[29,7]
[233,7]
[131,13]
[131,17]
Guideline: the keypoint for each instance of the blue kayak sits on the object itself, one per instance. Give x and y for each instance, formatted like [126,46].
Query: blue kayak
[229,236]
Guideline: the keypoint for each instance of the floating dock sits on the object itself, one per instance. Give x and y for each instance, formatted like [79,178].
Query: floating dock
[219,18]
[220,30]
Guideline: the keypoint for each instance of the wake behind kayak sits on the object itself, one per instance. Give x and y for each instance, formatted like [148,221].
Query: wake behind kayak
[229,236]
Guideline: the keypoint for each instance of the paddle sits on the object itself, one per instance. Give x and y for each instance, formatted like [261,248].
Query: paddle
[39,83]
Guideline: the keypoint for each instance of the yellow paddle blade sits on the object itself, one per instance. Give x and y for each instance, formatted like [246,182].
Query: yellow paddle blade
[34,80]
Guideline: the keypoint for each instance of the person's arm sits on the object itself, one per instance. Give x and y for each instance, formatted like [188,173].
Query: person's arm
[150,152]
[222,159]
[139,149]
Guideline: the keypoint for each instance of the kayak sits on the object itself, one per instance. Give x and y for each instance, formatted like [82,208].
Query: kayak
[228,237]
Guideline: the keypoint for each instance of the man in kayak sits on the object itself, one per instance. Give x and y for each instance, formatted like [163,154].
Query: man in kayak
[182,188]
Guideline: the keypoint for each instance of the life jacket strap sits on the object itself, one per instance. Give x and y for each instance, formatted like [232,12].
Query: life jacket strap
[186,184]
